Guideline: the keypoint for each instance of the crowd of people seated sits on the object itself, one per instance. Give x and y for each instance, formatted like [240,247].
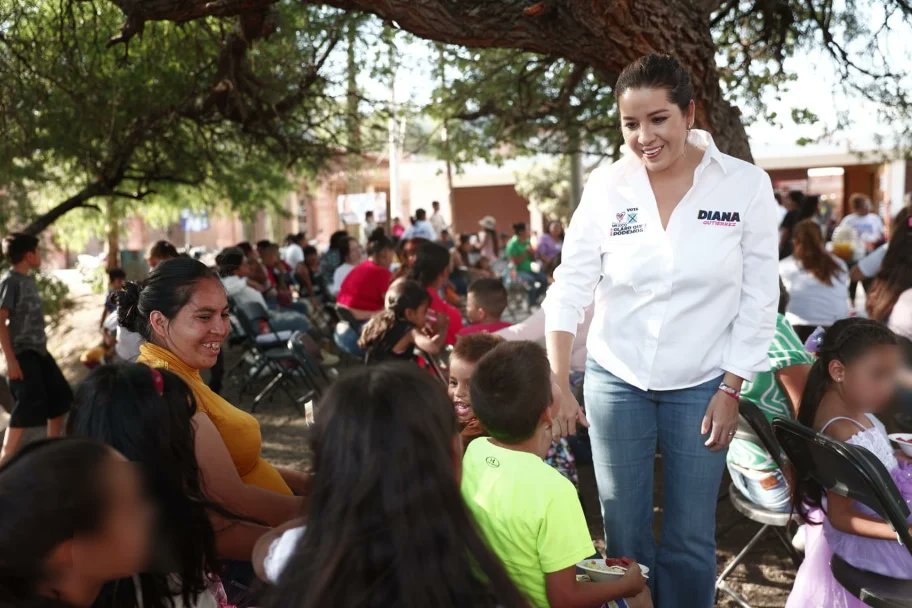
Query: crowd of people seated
[433,457]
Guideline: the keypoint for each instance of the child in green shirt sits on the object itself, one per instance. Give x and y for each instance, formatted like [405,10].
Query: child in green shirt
[530,514]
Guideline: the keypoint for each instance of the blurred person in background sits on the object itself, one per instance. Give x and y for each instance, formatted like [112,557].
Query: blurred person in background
[816,280]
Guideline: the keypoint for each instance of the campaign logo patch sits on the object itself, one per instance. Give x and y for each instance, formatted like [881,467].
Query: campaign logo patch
[718,218]
[627,222]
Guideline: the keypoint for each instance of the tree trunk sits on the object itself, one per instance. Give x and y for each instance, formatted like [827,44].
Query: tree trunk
[605,34]
[76,201]
[113,221]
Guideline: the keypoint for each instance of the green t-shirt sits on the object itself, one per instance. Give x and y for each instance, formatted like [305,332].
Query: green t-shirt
[516,248]
[528,512]
[765,392]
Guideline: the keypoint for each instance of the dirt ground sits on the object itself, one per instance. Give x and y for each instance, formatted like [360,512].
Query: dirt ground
[764,578]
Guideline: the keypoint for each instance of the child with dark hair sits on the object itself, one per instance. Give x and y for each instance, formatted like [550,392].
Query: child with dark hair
[386,524]
[432,270]
[465,356]
[41,394]
[394,333]
[74,517]
[468,352]
[116,279]
[485,305]
[146,415]
[853,378]
[511,491]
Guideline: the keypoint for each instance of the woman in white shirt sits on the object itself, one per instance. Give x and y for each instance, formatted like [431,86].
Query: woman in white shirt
[890,299]
[817,282]
[354,257]
[679,244]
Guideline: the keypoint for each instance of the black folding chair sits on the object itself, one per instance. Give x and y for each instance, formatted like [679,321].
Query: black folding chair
[271,354]
[855,473]
[309,368]
[754,427]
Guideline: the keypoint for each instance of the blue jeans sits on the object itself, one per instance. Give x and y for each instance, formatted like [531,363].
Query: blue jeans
[287,320]
[627,425]
[769,490]
[537,284]
[347,341]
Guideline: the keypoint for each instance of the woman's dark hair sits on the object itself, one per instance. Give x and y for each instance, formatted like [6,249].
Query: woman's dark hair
[402,295]
[656,71]
[246,247]
[378,244]
[809,207]
[50,491]
[387,524]
[845,341]
[895,274]
[810,251]
[784,297]
[163,250]
[229,260]
[149,422]
[167,289]
[338,241]
[432,260]
[563,233]
[797,198]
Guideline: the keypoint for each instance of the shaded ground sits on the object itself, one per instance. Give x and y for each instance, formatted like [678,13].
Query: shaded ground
[764,579]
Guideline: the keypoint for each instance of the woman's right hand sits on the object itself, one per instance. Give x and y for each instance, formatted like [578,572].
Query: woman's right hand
[569,415]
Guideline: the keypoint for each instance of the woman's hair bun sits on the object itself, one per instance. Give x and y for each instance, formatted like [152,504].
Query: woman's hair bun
[128,306]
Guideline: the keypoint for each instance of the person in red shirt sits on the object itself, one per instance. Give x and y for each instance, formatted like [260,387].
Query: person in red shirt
[485,305]
[432,270]
[364,288]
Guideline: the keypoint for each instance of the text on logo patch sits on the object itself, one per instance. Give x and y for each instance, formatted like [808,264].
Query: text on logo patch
[718,218]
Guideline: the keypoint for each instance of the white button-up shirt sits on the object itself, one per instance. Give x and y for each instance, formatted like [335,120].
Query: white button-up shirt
[674,307]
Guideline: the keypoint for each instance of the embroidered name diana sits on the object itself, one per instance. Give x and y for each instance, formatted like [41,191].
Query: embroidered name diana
[719,218]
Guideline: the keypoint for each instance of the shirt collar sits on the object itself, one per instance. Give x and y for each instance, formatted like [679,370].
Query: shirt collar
[697,137]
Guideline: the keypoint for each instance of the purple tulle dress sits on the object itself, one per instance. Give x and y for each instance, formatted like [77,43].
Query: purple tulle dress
[815,586]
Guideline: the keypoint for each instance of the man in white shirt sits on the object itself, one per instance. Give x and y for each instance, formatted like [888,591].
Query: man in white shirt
[367,229]
[294,251]
[868,226]
[420,228]
[437,220]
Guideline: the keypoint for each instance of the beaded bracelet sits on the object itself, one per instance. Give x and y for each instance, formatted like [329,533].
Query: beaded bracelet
[730,391]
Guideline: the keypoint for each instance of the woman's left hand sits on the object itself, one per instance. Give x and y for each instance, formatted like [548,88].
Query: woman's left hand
[721,421]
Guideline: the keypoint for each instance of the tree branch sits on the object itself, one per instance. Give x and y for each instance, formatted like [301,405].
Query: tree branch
[76,201]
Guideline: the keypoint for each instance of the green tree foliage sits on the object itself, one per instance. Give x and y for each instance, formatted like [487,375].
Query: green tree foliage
[189,115]
[505,102]
[546,185]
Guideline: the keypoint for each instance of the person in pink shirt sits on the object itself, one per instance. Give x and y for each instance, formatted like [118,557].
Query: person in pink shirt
[432,270]
[485,305]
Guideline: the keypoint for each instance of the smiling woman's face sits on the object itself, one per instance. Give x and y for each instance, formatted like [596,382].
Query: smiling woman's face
[197,331]
[654,128]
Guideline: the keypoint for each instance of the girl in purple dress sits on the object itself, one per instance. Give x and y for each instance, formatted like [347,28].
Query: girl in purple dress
[853,378]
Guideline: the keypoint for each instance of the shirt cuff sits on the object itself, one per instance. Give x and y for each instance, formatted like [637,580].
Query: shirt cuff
[561,320]
[739,371]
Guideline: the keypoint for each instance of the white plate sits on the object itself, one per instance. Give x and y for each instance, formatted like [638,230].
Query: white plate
[599,571]
[903,445]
